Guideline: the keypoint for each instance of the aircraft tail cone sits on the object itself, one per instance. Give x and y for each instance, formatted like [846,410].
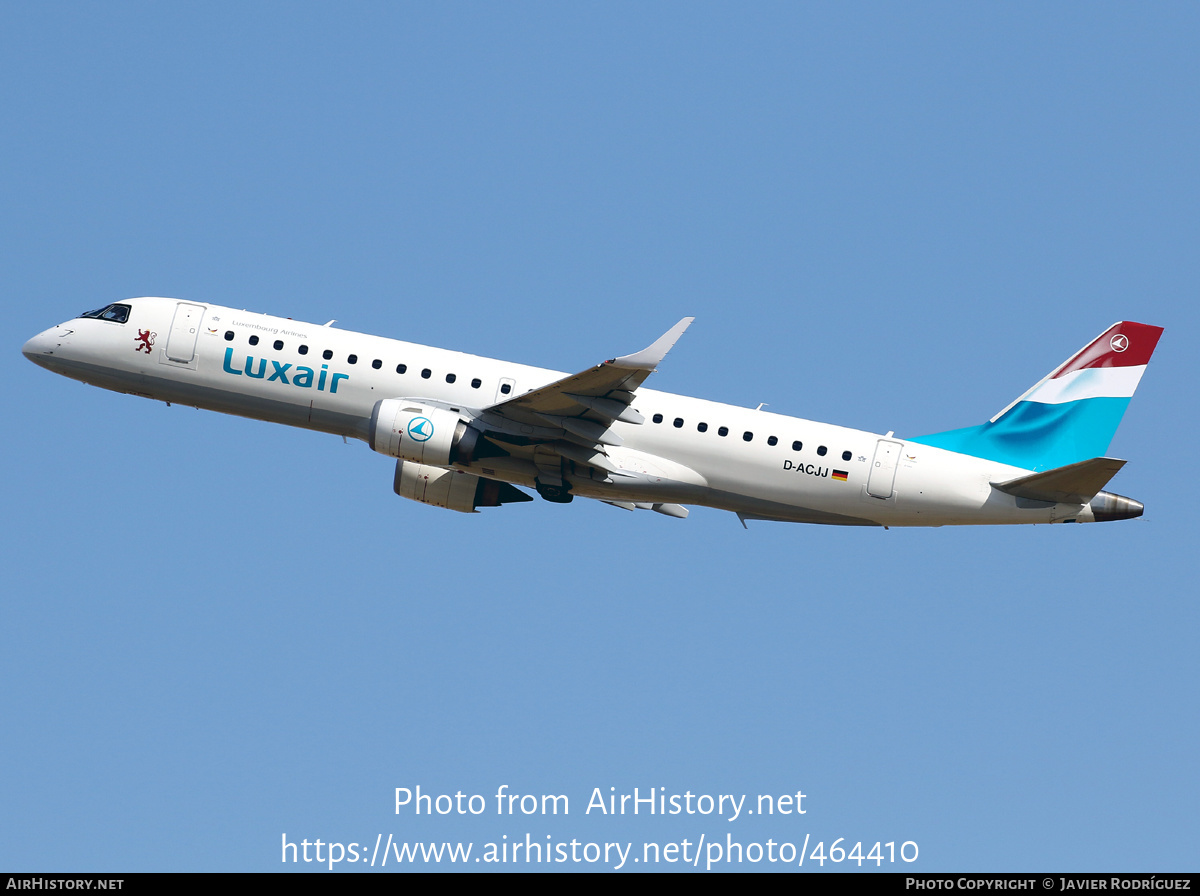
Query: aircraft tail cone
[1107,506]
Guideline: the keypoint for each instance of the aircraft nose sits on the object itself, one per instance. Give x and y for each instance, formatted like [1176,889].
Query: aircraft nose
[40,349]
[34,346]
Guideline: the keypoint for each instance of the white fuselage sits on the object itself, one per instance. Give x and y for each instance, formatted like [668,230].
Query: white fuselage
[688,450]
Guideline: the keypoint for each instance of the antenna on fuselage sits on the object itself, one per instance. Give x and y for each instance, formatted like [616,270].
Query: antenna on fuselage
[330,323]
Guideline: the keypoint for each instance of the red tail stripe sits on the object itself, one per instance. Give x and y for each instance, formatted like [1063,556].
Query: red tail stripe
[1126,344]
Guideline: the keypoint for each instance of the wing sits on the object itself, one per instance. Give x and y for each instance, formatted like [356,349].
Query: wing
[580,409]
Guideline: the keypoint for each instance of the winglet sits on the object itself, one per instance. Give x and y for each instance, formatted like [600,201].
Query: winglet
[649,358]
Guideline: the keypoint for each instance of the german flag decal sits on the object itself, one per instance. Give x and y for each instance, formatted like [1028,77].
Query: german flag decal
[840,475]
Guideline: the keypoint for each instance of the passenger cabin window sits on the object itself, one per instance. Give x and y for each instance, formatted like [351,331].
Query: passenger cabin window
[772,441]
[229,335]
[476,383]
[352,359]
[303,349]
[376,363]
[426,373]
[723,431]
[657,418]
[451,377]
[822,450]
[747,436]
[846,455]
[702,427]
[678,424]
[796,446]
[401,368]
[117,314]
[254,341]
[278,345]
[507,387]
[327,354]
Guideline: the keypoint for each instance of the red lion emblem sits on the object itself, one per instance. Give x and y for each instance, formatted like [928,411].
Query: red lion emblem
[145,339]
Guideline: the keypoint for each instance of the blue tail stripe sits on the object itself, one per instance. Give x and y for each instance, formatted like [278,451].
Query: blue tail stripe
[1036,436]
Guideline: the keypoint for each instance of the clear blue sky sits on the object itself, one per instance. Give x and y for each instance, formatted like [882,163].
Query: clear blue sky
[889,216]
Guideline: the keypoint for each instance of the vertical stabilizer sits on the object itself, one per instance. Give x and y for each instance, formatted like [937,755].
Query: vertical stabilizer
[1069,416]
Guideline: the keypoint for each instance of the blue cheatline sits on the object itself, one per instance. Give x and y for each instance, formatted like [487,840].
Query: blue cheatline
[1036,436]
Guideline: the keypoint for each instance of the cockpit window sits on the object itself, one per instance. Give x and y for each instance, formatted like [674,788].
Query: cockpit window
[116,313]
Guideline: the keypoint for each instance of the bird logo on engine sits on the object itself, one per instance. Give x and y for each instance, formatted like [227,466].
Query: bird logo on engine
[420,429]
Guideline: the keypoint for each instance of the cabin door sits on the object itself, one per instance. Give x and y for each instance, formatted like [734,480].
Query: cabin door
[883,469]
[181,344]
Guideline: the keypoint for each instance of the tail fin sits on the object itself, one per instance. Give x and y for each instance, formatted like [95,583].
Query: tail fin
[1069,416]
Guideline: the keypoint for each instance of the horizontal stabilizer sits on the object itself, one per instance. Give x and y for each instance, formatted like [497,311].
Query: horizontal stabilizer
[1073,484]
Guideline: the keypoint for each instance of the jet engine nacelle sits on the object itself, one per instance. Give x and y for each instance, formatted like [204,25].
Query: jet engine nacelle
[450,489]
[421,434]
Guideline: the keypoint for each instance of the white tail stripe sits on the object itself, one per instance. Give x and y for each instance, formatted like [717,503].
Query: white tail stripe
[1093,382]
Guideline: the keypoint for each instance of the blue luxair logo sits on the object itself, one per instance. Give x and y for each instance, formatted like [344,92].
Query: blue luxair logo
[420,429]
[301,376]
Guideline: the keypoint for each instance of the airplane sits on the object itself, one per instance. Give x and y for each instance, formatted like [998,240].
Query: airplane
[468,432]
